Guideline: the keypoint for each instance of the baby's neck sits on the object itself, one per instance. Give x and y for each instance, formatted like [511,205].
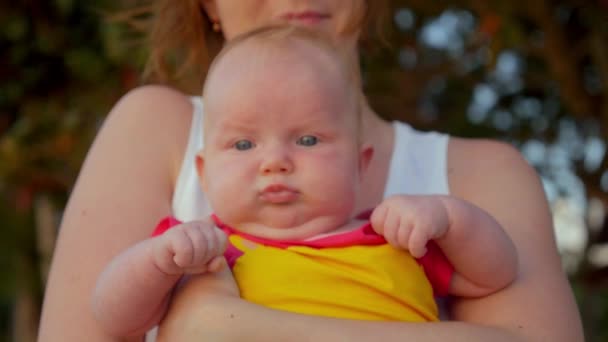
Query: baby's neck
[311,230]
[349,226]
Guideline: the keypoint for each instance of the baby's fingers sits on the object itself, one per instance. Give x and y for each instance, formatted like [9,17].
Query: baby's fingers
[404,231]
[417,242]
[209,242]
[165,255]
[184,246]
[216,264]
[220,240]
[378,218]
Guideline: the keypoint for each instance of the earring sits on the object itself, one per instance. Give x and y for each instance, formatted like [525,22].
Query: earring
[216,26]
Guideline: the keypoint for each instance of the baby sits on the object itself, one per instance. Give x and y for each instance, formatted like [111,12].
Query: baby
[282,163]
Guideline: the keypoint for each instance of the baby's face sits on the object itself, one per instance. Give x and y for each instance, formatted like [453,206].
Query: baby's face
[281,157]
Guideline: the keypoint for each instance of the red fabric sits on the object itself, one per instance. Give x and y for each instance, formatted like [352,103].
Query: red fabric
[364,236]
[436,266]
[232,254]
[164,225]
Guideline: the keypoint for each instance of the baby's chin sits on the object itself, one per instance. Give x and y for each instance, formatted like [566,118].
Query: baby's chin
[294,228]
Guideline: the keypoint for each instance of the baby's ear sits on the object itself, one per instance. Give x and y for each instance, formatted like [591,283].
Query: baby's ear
[365,157]
[200,169]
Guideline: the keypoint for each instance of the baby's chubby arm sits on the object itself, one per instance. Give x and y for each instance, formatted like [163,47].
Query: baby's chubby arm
[133,291]
[483,256]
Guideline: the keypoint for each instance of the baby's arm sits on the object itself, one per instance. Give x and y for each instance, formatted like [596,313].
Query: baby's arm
[133,291]
[483,256]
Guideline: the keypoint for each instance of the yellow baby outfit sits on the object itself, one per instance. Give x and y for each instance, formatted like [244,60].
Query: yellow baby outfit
[354,275]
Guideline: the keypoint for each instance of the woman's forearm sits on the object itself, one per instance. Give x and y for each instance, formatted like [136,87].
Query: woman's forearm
[204,309]
[223,318]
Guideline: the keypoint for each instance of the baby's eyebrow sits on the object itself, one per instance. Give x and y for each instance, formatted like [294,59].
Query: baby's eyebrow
[240,126]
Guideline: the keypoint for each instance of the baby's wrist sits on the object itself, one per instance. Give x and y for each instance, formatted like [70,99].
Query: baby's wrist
[164,263]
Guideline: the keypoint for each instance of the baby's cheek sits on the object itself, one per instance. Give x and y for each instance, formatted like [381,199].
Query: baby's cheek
[339,190]
[223,192]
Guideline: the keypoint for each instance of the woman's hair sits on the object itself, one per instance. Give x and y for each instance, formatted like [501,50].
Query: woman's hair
[182,42]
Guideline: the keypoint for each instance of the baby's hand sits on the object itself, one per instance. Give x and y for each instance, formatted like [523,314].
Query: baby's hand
[409,222]
[190,248]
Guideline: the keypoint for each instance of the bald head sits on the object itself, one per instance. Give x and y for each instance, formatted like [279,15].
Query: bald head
[273,69]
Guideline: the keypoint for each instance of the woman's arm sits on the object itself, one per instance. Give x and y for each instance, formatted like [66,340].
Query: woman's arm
[124,188]
[200,311]
[538,306]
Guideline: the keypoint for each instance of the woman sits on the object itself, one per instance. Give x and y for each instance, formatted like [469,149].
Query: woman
[136,172]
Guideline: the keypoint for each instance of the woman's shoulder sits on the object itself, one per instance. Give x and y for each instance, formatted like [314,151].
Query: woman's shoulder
[479,165]
[482,153]
[154,101]
[155,115]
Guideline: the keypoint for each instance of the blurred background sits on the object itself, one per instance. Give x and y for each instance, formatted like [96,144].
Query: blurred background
[532,73]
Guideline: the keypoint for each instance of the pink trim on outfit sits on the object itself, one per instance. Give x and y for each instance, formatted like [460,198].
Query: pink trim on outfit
[436,266]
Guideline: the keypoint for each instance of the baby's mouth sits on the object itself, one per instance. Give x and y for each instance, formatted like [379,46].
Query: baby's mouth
[278,194]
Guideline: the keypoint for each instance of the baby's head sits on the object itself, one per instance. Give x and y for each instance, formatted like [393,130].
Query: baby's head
[265,59]
[282,154]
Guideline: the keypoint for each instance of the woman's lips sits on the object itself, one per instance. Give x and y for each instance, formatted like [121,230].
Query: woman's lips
[306,17]
[278,194]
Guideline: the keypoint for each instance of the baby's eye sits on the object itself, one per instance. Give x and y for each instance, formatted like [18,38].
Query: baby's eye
[307,140]
[243,145]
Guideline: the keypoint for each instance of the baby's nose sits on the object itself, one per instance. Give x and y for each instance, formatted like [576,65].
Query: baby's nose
[276,161]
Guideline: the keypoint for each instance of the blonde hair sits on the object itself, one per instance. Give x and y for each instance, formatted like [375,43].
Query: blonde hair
[183,43]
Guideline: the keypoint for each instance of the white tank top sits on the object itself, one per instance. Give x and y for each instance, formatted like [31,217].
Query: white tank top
[418,166]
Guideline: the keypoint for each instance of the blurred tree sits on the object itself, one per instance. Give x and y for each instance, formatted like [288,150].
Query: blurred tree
[61,68]
[532,73]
